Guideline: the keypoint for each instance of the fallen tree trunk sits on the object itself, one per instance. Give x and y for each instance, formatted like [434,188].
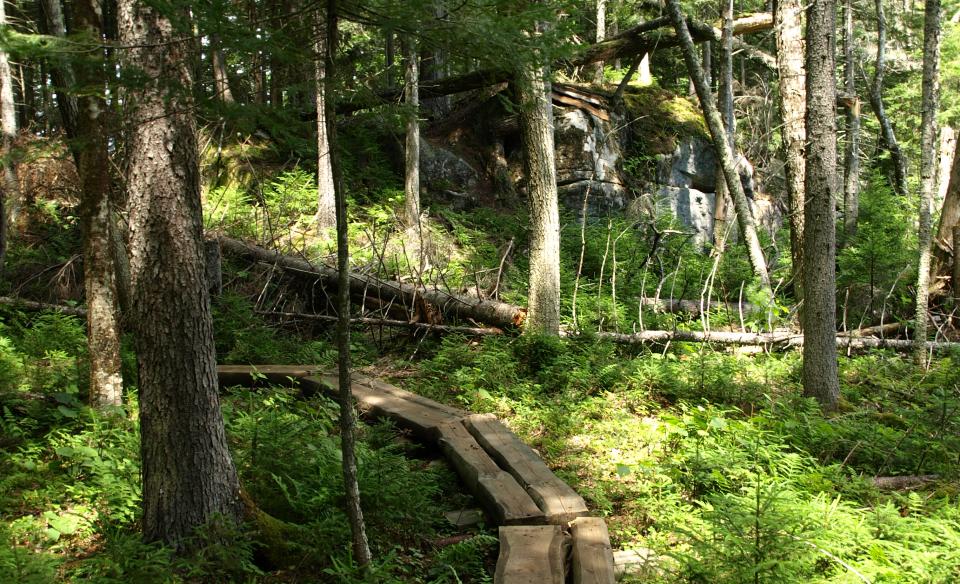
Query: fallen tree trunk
[638,40]
[440,328]
[903,483]
[779,339]
[891,328]
[490,312]
[32,305]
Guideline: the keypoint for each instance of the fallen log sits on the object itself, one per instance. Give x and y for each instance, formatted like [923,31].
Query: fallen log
[32,305]
[903,483]
[643,38]
[890,328]
[778,339]
[440,328]
[451,305]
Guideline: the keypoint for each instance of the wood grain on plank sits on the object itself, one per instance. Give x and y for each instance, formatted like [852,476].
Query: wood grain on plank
[559,502]
[501,495]
[410,411]
[531,555]
[592,555]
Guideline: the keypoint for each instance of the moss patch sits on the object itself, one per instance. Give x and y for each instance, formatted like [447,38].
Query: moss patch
[658,118]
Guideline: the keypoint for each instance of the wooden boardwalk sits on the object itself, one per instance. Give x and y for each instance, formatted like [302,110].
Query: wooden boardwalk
[546,534]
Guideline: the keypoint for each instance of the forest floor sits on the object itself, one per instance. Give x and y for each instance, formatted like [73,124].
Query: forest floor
[707,462]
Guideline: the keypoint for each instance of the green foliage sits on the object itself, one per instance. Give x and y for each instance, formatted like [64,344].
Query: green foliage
[874,263]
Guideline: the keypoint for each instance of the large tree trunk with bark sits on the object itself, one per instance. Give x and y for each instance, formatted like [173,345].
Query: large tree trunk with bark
[851,175]
[221,83]
[788,27]
[727,161]
[8,129]
[928,164]
[411,184]
[944,252]
[99,271]
[188,476]
[889,137]
[326,205]
[348,419]
[536,132]
[820,377]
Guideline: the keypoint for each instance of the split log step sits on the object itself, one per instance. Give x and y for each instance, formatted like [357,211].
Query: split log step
[592,554]
[531,555]
[558,501]
[500,493]
[410,411]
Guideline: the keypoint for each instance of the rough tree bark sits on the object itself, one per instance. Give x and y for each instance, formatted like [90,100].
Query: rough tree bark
[851,175]
[715,124]
[326,205]
[928,164]
[188,476]
[536,132]
[348,420]
[411,184]
[788,27]
[899,160]
[820,378]
[8,128]
[99,269]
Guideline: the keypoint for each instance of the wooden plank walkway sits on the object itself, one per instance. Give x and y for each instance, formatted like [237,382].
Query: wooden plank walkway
[517,489]
[559,502]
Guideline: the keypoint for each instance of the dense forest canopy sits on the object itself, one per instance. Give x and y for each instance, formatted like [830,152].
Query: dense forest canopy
[479,290]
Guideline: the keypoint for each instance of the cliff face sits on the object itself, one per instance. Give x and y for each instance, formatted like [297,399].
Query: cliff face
[652,147]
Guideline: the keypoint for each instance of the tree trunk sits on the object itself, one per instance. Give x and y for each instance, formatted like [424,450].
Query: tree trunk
[536,133]
[928,164]
[62,73]
[725,94]
[944,253]
[715,124]
[348,421]
[99,272]
[876,102]
[326,204]
[221,83]
[820,378]
[788,20]
[8,129]
[851,185]
[188,476]
[411,185]
[601,35]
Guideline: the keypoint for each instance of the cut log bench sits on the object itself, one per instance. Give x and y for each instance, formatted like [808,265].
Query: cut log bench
[542,520]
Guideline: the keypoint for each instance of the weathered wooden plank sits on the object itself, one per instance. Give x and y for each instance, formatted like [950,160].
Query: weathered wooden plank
[410,411]
[251,374]
[558,501]
[531,555]
[592,555]
[501,495]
